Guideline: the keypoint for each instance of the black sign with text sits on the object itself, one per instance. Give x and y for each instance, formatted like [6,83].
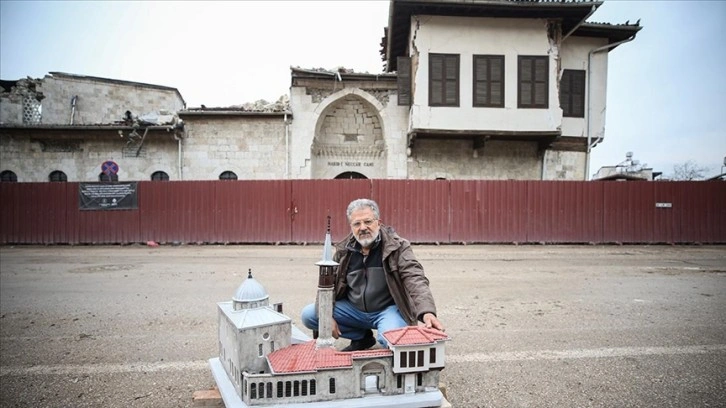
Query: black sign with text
[107,196]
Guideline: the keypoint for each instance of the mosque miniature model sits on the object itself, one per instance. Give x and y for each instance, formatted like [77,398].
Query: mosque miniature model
[264,360]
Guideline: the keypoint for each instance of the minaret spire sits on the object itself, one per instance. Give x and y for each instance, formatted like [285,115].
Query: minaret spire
[326,288]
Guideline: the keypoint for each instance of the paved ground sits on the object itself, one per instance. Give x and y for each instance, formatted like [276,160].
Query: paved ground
[532,326]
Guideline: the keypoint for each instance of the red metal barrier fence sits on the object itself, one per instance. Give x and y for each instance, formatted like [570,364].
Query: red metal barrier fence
[423,211]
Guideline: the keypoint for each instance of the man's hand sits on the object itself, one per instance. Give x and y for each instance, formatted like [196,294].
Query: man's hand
[336,331]
[430,321]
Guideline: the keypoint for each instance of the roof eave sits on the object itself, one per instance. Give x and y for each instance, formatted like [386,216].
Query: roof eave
[231,113]
[614,33]
[112,127]
[572,13]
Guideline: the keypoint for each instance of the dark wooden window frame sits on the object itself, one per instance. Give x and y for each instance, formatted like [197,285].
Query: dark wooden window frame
[572,93]
[448,79]
[488,81]
[228,175]
[159,176]
[57,176]
[531,81]
[8,176]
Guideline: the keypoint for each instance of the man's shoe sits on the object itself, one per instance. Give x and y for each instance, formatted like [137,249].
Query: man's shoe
[365,343]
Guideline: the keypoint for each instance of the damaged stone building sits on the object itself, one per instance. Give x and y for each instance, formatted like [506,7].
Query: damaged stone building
[471,90]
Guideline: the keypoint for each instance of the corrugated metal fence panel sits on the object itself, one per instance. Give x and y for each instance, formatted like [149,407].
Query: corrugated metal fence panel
[314,200]
[9,218]
[488,211]
[628,211]
[466,210]
[181,211]
[564,211]
[422,211]
[702,212]
[665,219]
[252,211]
[32,213]
[418,210]
[100,227]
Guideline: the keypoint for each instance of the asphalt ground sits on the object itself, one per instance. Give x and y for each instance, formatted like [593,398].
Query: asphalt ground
[531,326]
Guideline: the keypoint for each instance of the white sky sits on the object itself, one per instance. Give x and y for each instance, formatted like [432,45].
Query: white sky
[665,89]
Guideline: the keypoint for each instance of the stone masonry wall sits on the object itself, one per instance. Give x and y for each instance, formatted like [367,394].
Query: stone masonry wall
[454,159]
[251,147]
[33,156]
[562,165]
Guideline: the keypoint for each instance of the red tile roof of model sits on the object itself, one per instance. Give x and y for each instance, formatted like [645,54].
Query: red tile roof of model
[304,357]
[412,335]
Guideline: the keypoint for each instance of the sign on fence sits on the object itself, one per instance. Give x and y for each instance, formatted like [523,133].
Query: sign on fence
[107,196]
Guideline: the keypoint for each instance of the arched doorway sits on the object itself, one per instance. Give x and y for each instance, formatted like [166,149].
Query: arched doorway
[373,378]
[350,175]
[349,140]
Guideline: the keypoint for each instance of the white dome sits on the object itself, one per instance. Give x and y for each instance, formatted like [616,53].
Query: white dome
[250,291]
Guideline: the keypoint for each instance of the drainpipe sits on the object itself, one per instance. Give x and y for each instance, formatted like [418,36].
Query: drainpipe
[73,107]
[287,147]
[588,122]
[179,155]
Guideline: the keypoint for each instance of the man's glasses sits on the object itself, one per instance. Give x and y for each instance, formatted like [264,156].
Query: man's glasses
[358,224]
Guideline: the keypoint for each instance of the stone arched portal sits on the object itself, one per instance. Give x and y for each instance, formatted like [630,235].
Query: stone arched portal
[348,139]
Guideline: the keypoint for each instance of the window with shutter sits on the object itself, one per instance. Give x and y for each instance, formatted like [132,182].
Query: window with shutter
[572,93]
[404,81]
[533,82]
[443,80]
[488,81]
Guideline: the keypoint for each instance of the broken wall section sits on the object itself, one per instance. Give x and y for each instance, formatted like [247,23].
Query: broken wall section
[68,99]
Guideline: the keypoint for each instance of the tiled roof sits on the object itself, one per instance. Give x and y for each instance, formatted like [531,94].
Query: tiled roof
[304,357]
[411,335]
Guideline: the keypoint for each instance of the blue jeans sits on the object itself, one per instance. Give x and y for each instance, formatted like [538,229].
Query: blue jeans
[353,323]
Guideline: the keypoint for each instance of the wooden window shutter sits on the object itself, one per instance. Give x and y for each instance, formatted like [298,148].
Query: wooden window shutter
[404,81]
[452,80]
[533,82]
[443,80]
[488,80]
[572,93]
[496,83]
[436,73]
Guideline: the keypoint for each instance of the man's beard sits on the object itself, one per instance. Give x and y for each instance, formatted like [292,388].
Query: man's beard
[367,242]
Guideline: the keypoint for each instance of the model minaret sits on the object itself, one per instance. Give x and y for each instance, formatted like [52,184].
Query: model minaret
[326,284]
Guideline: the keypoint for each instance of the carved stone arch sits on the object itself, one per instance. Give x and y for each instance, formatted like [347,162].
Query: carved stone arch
[349,136]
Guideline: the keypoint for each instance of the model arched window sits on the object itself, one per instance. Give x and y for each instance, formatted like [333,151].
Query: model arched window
[107,178]
[228,175]
[159,176]
[7,175]
[57,175]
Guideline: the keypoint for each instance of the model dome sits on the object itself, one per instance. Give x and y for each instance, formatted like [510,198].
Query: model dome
[250,294]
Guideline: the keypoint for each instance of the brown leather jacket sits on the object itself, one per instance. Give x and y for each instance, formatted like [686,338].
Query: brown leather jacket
[407,283]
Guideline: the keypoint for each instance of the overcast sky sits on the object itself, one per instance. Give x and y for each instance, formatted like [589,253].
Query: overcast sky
[665,89]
